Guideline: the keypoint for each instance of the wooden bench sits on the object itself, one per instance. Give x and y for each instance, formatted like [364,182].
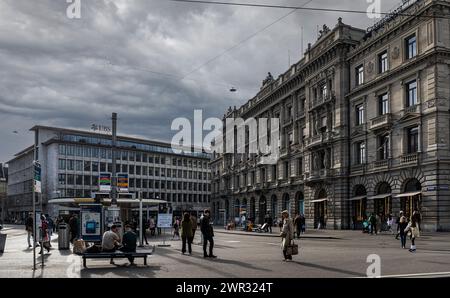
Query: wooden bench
[118,255]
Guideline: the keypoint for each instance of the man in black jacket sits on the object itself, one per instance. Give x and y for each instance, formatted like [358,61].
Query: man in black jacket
[208,234]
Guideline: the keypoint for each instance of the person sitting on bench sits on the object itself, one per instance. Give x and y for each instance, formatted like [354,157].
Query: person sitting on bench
[111,241]
[129,242]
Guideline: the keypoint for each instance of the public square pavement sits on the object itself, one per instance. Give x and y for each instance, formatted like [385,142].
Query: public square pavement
[323,254]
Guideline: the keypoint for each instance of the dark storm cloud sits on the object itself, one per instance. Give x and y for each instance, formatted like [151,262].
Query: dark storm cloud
[71,73]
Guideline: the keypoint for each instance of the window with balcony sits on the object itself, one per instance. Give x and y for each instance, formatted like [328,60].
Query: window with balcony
[383,104]
[411,46]
[411,93]
[360,153]
[359,75]
[360,114]
[383,64]
[413,140]
[383,147]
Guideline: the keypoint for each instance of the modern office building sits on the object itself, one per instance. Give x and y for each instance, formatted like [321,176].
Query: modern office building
[364,127]
[72,160]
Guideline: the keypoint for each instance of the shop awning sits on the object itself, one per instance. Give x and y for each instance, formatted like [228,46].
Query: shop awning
[318,201]
[357,198]
[382,196]
[408,194]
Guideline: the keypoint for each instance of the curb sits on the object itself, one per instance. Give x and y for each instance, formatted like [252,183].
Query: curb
[274,235]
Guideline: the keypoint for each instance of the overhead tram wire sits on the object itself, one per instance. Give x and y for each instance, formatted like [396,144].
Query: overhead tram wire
[238,44]
[304,8]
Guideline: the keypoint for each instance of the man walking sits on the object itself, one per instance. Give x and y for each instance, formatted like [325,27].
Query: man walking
[73,224]
[208,234]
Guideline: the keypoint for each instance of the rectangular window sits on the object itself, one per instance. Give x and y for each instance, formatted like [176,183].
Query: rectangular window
[150,171]
[360,153]
[411,93]
[324,91]
[94,166]
[383,104]
[299,166]
[360,114]
[138,170]
[131,169]
[62,149]
[124,155]
[163,160]
[144,157]
[79,179]
[87,180]
[62,164]
[131,156]
[411,46]
[359,75]
[94,180]
[102,167]
[94,152]
[286,170]
[157,159]
[383,65]
[79,151]
[70,165]
[103,153]
[70,179]
[150,159]
[144,171]
[138,157]
[87,166]
[157,172]
[413,140]
[87,151]
[79,165]
[70,151]
[62,179]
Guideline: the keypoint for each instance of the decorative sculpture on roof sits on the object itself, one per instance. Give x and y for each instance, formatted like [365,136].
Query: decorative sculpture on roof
[324,31]
[268,79]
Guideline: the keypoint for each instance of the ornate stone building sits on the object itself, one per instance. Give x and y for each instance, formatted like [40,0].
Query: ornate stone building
[364,127]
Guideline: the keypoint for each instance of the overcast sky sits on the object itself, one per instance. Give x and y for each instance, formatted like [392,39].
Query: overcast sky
[128,56]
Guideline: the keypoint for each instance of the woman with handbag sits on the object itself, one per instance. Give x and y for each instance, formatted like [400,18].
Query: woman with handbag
[287,235]
[414,229]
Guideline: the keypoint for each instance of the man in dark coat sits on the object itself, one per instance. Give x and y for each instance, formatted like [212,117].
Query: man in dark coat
[208,234]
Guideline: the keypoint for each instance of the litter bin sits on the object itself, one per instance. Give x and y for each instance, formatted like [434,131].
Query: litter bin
[2,242]
[63,236]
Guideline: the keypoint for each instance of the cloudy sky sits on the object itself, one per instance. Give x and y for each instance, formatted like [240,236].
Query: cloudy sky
[144,59]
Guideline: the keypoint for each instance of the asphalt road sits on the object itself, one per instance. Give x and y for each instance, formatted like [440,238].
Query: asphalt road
[246,256]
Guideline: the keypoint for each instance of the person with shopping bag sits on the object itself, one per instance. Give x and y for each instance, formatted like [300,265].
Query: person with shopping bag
[287,235]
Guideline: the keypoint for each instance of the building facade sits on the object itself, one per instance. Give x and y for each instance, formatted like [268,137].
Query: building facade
[72,160]
[3,191]
[364,127]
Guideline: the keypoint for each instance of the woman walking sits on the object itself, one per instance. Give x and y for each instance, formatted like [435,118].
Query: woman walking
[287,234]
[186,233]
[414,229]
